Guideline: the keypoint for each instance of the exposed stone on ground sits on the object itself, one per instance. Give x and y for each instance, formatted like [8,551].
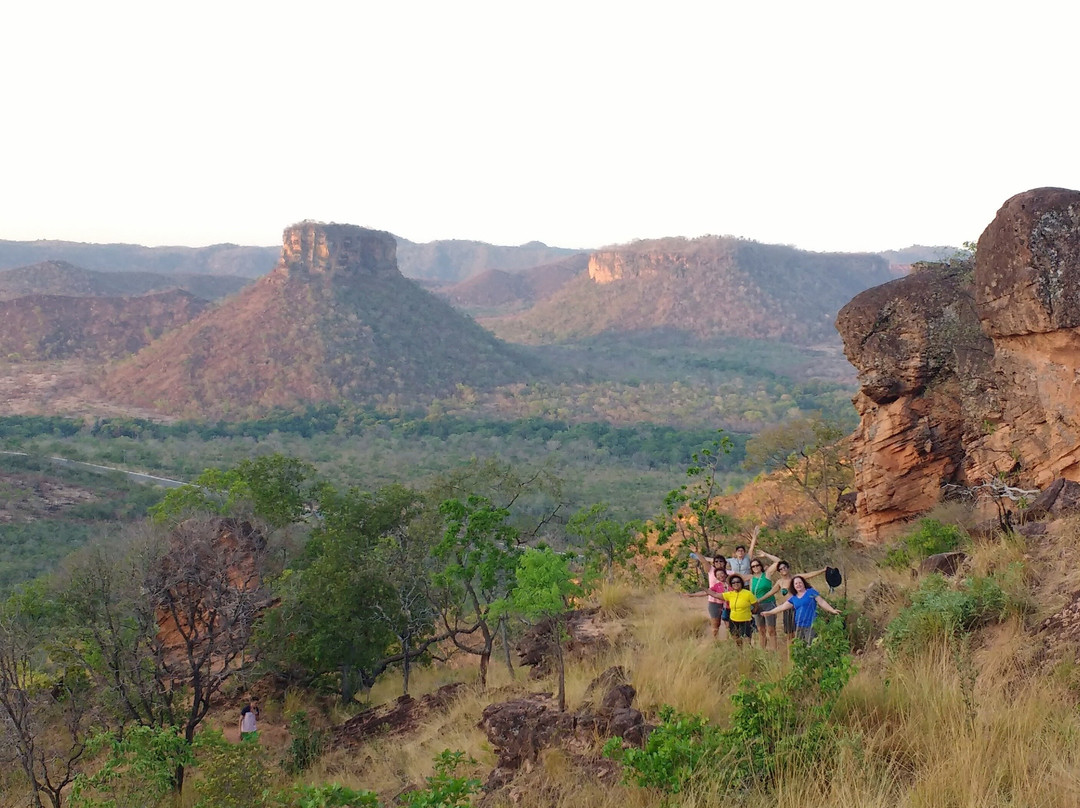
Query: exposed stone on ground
[1059,498]
[967,372]
[401,716]
[521,729]
[1060,633]
[536,647]
[944,563]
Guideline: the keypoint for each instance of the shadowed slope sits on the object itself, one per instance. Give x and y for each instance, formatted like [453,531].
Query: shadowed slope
[335,320]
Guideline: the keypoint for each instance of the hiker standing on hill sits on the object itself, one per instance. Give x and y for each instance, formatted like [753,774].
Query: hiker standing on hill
[717,586]
[249,715]
[804,603]
[740,602]
[782,586]
[760,584]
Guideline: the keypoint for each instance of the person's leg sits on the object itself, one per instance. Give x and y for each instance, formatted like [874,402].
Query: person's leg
[770,629]
[714,617]
[759,621]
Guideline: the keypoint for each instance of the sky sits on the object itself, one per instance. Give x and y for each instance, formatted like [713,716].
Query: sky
[828,125]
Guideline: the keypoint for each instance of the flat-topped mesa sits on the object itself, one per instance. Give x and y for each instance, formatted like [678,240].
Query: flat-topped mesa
[314,247]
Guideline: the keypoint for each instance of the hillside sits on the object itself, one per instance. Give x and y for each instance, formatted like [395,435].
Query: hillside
[455,260]
[707,288]
[334,321]
[62,278]
[497,291]
[218,259]
[47,327]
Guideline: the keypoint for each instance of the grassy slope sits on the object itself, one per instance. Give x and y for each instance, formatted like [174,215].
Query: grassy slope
[981,723]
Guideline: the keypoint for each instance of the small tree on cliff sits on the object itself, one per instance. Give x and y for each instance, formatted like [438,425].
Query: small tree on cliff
[544,591]
[479,552]
[692,521]
[811,454]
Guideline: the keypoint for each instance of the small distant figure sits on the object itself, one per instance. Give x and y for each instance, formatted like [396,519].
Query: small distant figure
[249,716]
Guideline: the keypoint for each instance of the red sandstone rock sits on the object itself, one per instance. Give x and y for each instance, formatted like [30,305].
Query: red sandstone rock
[970,373]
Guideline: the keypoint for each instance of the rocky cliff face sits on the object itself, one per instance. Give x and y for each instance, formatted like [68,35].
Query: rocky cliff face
[971,372]
[312,247]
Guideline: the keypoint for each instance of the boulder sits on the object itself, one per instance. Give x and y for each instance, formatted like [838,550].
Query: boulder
[520,729]
[944,563]
[967,369]
[1060,497]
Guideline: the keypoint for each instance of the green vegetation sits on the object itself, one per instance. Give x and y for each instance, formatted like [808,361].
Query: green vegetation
[774,723]
[940,611]
[929,538]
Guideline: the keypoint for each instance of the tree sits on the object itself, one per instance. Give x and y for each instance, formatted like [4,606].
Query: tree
[479,551]
[692,521]
[360,586]
[607,543]
[45,712]
[810,452]
[545,588]
[275,488]
[162,623]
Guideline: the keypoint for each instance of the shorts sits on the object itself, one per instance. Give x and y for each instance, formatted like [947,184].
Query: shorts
[763,620]
[805,633]
[789,622]
[717,610]
[741,629]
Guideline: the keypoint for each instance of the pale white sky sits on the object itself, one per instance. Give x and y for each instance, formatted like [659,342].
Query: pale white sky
[828,125]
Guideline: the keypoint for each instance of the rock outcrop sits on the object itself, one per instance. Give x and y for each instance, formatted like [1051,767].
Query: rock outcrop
[969,371]
[520,729]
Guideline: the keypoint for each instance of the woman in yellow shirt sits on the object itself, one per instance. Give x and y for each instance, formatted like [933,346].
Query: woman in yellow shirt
[740,601]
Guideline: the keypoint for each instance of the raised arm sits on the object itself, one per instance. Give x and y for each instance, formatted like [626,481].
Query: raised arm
[753,542]
[813,574]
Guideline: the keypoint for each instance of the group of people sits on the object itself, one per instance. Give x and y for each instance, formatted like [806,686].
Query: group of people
[743,593]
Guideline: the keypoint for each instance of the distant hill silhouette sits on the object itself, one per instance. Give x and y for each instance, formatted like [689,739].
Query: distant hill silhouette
[499,292]
[706,287]
[62,278]
[335,320]
[46,327]
[452,261]
[900,261]
[218,259]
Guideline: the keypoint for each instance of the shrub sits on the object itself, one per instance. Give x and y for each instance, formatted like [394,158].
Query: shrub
[939,611]
[674,753]
[233,775]
[446,788]
[330,795]
[773,723]
[306,744]
[929,538]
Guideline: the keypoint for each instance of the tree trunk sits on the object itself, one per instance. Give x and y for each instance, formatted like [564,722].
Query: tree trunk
[405,667]
[562,664]
[503,634]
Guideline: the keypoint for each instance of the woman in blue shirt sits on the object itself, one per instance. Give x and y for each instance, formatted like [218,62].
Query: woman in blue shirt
[804,601]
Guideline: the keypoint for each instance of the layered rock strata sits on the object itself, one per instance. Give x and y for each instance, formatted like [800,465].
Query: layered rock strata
[969,371]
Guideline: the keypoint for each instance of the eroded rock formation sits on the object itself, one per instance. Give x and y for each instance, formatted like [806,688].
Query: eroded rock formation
[969,371]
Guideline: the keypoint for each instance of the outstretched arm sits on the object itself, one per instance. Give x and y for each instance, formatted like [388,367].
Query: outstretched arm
[781,608]
[813,574]
[824,604]
[771,592]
